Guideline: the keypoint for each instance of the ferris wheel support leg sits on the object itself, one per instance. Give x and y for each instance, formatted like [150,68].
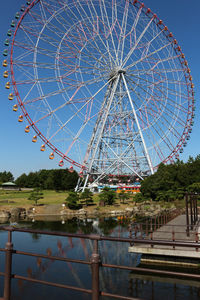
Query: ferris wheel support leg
[138,126]
[102,124]
[78,184]
[85,183]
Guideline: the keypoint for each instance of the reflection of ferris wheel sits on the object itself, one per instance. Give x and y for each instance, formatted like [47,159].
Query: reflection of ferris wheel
[103,83]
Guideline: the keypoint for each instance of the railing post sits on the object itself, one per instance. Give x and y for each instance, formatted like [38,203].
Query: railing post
[147,227]
[141,230]
[187,215]
[151,237]
[191,211]
[8,266]
[195,211]
[130,235]
[173,237]
[155,223]
[95,260]
[135,228]
[197,240]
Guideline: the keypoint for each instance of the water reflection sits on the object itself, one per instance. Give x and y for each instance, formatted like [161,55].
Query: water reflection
[119,282]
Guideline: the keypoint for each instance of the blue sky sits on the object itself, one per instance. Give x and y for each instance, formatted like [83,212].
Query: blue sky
[19,155]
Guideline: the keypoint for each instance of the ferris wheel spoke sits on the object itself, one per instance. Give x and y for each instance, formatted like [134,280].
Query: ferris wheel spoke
[155,96]
[163,91]
[89,55]
[30,50]
[30,64]
[147,56]
[134,26]
[150,43]
[123,27]
[105,44]
[26,72]
[28,35]
[173,117]
[162,134]
[59,107]
[80,109]
[149,71]
[45,96]
[28,93]
[93,45]
[76,137]
[158,80]
[110,28]
[164,137]
[24,54]
[47,80]
[159,61]
[97,29]
[155,144]
[137,42]
[28,31]
[171,114]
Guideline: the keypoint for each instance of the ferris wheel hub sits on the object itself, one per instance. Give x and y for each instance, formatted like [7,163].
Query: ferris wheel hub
[116,71]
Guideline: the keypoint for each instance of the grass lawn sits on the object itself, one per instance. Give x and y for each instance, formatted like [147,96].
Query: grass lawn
[9,199]
[20,198]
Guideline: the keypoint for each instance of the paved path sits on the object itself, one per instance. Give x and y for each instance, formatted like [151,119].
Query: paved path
[178,225]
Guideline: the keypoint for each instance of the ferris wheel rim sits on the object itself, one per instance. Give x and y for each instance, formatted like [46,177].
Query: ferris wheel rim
[189,84]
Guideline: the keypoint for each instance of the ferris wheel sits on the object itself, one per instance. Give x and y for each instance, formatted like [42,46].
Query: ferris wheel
[101,83]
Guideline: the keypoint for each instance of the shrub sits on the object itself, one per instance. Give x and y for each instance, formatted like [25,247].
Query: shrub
[72,200]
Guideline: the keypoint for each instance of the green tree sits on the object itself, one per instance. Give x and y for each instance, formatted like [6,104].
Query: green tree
[194,188]
[86,197]
[6,176]
[36,195]
[72,200]
[138,198]
[49,181]
[123,196]
[21,180]
[108,196]
[180,192]
[57,180]
[33,180]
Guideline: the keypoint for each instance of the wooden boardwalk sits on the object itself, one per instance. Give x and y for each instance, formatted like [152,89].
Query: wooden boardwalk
[175,230]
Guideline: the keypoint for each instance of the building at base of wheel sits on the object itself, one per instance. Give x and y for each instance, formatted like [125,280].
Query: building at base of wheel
[118,188]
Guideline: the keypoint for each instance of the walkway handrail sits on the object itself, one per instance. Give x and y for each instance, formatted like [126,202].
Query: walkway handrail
[95,261]
[98,237]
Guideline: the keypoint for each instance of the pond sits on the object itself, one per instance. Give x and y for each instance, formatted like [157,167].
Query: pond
[111,280]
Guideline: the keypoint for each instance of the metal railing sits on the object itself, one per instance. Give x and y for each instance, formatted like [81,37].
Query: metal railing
[150,227]
[94,262]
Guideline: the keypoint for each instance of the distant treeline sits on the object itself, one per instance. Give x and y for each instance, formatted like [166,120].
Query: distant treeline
[171,182]
[6,177]
[55,179]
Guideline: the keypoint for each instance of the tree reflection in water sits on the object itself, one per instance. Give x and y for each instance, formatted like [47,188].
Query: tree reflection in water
[111,280]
